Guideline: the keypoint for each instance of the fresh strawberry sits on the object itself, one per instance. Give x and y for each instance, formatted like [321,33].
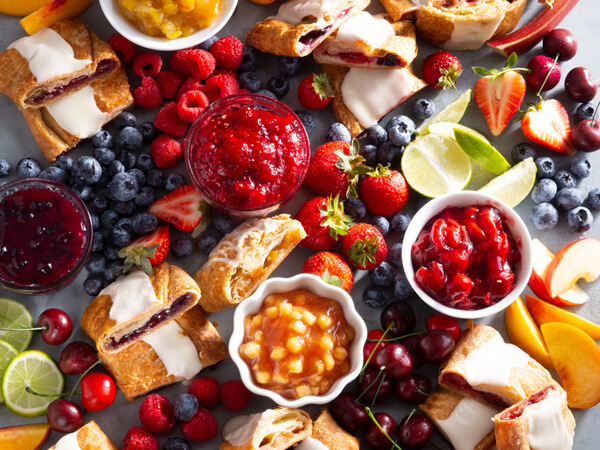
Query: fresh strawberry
[441,69]
[324,221]
[184,208]
[332,268]
[547,123]
[315,91]
[363,246]
[383,191]
[147,251]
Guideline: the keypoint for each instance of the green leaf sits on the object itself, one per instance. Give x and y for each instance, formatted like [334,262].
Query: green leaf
[510,61]
[481,71]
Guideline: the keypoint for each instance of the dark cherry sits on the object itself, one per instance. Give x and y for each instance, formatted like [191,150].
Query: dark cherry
[77,357]
[374,437]
[413,389]
[403,316]
[373,338]
[560,41]
[374,386]
[436,345]
[414,431]
[64,416]
[586,135]
[349,412]
[57,324]
[412,344]
[444,322]
[394,360]
[540,66]
[580,85]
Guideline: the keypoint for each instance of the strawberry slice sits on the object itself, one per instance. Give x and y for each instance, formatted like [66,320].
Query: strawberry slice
[183,208]
[147,251]
[547,123]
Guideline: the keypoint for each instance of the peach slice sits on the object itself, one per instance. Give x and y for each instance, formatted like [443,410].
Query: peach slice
[53,12]
[544,312]
[576,358]
[21,7]
[524,332]
[24,437]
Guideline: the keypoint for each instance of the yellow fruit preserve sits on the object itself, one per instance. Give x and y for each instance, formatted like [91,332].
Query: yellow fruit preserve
[170,18]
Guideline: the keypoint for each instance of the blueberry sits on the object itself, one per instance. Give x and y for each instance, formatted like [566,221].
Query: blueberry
[125,119]
[564,179]
[307,120]
[4,168]
[127,158]
[104,156]
[580,219]
[279,85]
[123,187]
[376,135]
[103,181]
[98,204]
[584,111]
[96,223]
[102,139]
[124,223]
[381,223]
[369,152]
[55,174]
[93,285]
[355,208]
[382,275]
[250,60]
[338,132]
[185,406]
[144,223]
[125,209]
[395,254]
[109,219]
[139,176]
[182,247]
[405,123]
[402,288]
[87,169]
[399,136]
[423,108]
[207,44]
[111,253]
[173,181]
[64,162]
[28,167]
[268,93]
[98,242]
[120,238]
[375,296]
[144,162]
[145,197]
[581,167]
[568,198]
[96,263]
[593,198]
[113,270]
[155,178]
[544,216]
[399,222]
[206,242]
[130,138]
[544,190]
[148,131]
[289,66]
[249,81]
[546,167]
[522,151]
[388,153]
[223,223]
[84,191]
[115,167]
[177,443]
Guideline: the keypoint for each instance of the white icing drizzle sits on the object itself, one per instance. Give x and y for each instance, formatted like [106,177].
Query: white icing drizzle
[311,444]
[372,30]
[294,11]
[49,55]
[546,426]
[78,113]
[387,88]
[68,442]
[471,35]
[468,424]
[241,433]
[492,363]
[176,350]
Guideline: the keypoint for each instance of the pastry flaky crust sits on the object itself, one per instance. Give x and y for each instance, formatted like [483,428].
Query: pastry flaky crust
[169,283]
[329,433]
[137,369]
[282,38]
[402,46]
[277,429]
[91,437]
[400,9]
[20,85]
[112,95]
[245,258]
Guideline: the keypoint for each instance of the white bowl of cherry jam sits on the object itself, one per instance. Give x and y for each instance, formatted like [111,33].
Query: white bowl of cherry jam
[467,254]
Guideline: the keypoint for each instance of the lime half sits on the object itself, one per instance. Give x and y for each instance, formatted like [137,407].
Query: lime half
[16,312]
[36,370]
[447,129]
[481,151]
[7,352]
[513,185]
[434,164]
[451,113]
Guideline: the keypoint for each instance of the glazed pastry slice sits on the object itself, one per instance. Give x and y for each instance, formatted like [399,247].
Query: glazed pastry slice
[273,429]
[176,351]
[136,304]
[301,25]
[245,258]
[41,68]
[542,420]
[328,435]
[88,437]
[372,42]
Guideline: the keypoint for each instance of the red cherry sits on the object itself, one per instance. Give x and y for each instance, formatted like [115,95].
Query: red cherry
[349,412]
[374,386]
[444,322]
[373,435]
[412,344]
[540,66]
[586,135]
[413,389]
[403,316]
[436,345]
[580,85]
[560,41]
[394,360]
[57,326]
[64,416]
[77,357]
[97,391]
[415,431]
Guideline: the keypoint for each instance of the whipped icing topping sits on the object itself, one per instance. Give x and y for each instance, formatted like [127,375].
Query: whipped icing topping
[546,426]
[48,54]
[68,442]
[372,30]
[295,11]
[471,35]
[469,422]
[242,432]
[311,444]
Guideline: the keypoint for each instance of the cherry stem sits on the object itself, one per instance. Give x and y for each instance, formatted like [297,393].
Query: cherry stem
[594,116]
[372,417]
[98,361]
[399,338]
[24,329]
[539,92]
[362,371]
[378,388]
[17,324]
[31,391]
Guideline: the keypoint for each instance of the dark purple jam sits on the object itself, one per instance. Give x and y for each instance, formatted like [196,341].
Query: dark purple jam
[312,36]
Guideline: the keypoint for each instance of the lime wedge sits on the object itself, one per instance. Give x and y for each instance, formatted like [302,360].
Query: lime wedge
[434,164]
[481,151]
[7,352]
[36,370]
[451,113]
[513,185]
[447,129]
[16,312]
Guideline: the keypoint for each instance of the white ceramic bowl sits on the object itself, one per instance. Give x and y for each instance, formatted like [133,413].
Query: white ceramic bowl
[129,31]
[517,229]
[317,286]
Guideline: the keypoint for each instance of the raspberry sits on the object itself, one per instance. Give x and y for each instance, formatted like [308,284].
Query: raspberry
[315,91]
[147,64]
[147,94]
[169,82]
[178,62]
[200,63]
[202,427]
[168,121]
[138,438]
[156,414]
[191,104]
[166,151]
[124,49]
[234,395]
[191,84]
[221,86]
[207,391]
[228,52]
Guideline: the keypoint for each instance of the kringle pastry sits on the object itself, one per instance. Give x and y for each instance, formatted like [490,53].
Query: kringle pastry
[62,124]
[403,9]
[273,429]
[301,25]
[245,258]
[371,42]
[359,108]
[54,62]
[137,304]
[485,368]
[88,437]
[176,351]
[543,420]
[328,435]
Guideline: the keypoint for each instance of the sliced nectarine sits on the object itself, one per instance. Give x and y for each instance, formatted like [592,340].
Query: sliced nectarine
[53,12]
[21,7]
[24,437]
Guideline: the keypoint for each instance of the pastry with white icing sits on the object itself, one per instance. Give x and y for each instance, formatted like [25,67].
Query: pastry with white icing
[328,435]
[88,437]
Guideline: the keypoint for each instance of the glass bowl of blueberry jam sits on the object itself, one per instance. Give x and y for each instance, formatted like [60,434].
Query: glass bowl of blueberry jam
[467,254]
[45,235]
[247,154]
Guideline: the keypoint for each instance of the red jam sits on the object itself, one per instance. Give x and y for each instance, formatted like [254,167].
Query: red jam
[465,258]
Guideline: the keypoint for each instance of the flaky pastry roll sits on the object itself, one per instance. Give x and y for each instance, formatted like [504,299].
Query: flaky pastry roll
[327,431]
[88,437]
[402,9]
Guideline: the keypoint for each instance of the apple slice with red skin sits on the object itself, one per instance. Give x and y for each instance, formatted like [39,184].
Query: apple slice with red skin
[24,437]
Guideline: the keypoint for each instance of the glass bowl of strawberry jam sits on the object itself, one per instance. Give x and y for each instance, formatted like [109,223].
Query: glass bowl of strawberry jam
[45,235]
[247,154]
[467,254]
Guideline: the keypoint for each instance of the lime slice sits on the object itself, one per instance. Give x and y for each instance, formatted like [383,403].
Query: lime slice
[7,352]
[434,164]
[447,129]
[481,151]
[513,185]
[451,113]
[36,370]
[16,312]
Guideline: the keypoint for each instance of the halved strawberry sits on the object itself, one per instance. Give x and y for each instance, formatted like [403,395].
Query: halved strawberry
[547,123]
[147,251]
[183,208]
